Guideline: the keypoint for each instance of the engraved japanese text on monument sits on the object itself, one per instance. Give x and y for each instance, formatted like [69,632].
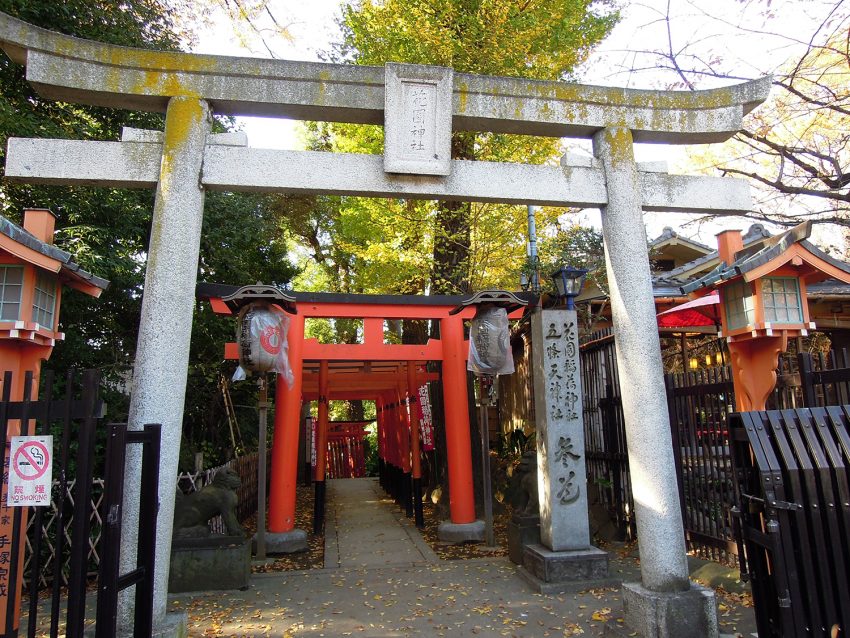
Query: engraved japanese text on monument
[562,401]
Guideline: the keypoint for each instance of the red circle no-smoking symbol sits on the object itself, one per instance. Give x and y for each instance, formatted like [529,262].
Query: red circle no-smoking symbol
[31,461]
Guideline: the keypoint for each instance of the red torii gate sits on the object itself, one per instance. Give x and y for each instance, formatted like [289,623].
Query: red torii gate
[451,350]
[393,386]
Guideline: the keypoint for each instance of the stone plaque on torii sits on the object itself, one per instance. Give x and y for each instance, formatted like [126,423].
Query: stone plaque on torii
[185,160]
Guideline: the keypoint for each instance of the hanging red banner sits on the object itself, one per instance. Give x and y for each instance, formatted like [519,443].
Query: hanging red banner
[426,426]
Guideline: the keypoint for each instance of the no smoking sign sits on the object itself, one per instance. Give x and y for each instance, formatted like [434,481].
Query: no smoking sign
[30,473]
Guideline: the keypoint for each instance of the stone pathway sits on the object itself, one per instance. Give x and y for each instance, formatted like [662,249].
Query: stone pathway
[365,529]
[382,580]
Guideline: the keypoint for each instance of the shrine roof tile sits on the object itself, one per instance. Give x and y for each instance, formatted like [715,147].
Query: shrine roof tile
[67,265]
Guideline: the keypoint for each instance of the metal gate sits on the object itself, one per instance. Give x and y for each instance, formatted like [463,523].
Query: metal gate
[604,430]
[699,404]
[791,475]
[64,535]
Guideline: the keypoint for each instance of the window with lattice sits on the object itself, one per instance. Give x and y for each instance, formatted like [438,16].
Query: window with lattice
[740,307]
[781,297]
[11,290]
[44,300]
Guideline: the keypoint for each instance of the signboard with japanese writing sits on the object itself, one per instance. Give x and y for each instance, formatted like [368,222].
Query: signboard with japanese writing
[426,423]
[560,430]
[30,471]
[312,424]
[417,119]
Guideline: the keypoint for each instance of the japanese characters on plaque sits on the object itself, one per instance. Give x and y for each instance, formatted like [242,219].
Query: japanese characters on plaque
[417,119]
[563,406]
[426,424]
[419,103]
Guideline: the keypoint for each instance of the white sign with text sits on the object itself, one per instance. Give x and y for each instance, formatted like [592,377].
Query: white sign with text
[30,471]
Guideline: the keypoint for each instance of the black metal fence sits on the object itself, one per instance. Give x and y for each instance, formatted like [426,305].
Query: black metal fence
[61,536]
[791,470]
[604,431]
[699,404]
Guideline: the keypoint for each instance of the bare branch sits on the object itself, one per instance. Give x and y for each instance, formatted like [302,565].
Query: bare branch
[788,189]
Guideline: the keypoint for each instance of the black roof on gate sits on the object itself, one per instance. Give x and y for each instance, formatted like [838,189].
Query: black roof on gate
[205,290]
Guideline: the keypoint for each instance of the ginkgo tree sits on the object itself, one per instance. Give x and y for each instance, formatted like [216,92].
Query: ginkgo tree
[407,246]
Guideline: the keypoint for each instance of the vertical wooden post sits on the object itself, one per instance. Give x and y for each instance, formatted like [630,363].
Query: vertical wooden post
[458,445]
[287,419]
[412,400]
[321,451]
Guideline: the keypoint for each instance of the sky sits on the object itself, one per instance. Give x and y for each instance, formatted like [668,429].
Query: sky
[727,33]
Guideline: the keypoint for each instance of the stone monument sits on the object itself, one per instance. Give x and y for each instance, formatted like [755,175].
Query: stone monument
[564,559]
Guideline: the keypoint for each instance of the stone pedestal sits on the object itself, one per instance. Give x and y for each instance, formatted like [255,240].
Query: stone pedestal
[289,542]
[522,531]
[572,570]
[652,614]
[218,562]
[461,532]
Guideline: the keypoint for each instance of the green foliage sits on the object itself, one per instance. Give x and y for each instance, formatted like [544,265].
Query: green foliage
[577,246]
[544,40]
[107,230]
[398,246]
[513,444]
[371,445]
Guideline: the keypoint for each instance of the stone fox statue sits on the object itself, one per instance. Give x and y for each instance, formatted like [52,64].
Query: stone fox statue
[527,503]
[193,511]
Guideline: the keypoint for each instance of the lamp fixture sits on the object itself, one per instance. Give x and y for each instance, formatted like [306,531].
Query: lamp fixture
[568,283]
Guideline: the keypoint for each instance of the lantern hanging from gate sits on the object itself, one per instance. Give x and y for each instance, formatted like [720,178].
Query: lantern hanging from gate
[490,342]
[261,332]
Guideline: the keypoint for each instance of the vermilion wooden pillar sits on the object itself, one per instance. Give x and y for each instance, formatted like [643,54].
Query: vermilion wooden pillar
[382,432]
[392,444]
[403,436]
[458,446]
[287,422]
[404,448]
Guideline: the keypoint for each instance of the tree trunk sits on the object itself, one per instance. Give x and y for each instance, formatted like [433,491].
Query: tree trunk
[452,233]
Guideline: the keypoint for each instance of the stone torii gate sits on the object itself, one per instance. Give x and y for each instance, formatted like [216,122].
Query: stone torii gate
[420,106]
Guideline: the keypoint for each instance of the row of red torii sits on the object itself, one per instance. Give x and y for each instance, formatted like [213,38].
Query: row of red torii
[389,374]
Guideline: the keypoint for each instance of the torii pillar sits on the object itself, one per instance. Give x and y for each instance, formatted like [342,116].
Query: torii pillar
[165,329]
[282,535]
[665,602]
[463,525]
